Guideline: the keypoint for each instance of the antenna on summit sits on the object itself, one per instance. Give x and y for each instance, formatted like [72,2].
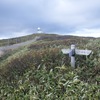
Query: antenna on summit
[39,30]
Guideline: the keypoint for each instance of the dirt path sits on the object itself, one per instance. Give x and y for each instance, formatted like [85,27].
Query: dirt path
[15,46]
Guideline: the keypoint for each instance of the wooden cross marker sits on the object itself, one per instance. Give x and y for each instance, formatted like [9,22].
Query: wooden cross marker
[73,51]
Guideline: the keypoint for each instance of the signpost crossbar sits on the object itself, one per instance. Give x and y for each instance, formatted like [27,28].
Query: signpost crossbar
[73,51]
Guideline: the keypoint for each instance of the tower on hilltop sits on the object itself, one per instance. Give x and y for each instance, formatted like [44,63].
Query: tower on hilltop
[39,30]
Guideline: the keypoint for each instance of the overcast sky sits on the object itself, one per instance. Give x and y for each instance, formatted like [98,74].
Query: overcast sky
[75,17]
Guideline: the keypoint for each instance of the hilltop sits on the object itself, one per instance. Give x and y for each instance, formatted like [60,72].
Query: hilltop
[16,40]
[39,70]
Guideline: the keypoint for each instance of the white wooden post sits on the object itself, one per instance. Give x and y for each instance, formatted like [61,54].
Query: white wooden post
[73,56]
[73,51]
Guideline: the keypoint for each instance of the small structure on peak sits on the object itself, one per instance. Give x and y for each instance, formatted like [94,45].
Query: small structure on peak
[39,30]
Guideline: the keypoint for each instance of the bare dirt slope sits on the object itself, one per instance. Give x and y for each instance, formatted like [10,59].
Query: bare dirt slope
[16,46]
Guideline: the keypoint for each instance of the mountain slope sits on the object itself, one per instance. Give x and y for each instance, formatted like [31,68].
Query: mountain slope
[39,71]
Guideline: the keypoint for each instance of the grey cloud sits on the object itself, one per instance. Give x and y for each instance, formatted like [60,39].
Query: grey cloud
[62,16]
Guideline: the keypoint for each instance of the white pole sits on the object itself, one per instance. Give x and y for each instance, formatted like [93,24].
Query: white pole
[73,56]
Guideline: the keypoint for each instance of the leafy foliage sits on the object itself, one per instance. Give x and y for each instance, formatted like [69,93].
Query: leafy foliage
[60,83]
[41,72]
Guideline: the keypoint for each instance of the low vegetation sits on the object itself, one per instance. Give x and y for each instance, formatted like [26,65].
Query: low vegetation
[41,72]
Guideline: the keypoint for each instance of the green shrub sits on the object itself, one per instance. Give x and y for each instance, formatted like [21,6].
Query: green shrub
[60,83]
